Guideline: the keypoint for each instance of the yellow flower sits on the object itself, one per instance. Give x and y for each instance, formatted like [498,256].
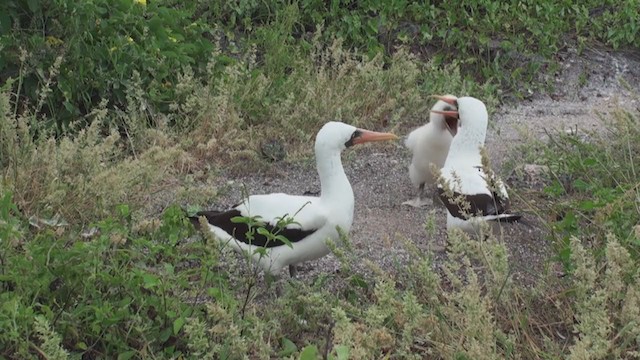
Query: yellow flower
[53,41]
[172,39]
[129,39]
[141,2]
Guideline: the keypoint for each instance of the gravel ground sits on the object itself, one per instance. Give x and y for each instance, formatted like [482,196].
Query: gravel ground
[587,85]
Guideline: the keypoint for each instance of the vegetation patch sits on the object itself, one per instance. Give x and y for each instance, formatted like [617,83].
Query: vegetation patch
[112,111]
[594,184]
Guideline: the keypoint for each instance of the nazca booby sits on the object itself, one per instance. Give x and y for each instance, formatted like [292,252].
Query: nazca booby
[313,220]
[429,145]
[471,192]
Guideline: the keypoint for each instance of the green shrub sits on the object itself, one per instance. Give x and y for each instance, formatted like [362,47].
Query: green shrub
[111,291]
[512,43]
[615,23]
[595,185]
[69,55]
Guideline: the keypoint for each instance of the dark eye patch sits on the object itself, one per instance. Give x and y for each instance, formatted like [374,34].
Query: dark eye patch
[356,134]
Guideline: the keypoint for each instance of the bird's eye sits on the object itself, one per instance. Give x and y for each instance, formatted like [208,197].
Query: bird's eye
[354,136]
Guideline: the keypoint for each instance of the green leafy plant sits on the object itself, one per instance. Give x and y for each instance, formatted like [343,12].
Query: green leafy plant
[113,291]
[79,54]
[92,51]
[595,185]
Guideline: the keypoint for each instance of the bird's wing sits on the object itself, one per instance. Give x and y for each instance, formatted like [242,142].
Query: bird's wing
[473,193]
[305,210]
[498,192]
[412,138]
[293,217]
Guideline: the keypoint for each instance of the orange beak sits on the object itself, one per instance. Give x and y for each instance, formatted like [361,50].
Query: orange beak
[452,113]
[368,136]
[449,100]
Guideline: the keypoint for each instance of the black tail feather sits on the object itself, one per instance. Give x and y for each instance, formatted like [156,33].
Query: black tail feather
[211,216]
[515,218]
[195,221]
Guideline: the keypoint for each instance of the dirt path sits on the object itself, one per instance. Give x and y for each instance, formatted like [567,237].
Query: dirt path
[587,85]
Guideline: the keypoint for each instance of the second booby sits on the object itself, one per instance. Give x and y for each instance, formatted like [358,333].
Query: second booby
[429,145]
[471,192]
[296,228]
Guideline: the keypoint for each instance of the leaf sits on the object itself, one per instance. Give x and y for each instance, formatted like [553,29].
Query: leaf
[150,281]
[264,232]
[165,334]
[342,352]
[123,210]
[5,25]
[221,296]
[126,355]
[587,205]
[169,268]
[288,348]
[284,240]
[215,293]
[177,325]
[261,251]
[580,184]
[564,256]
[34,5]
[310,352]
[357,280]
[554,189]
[239,220]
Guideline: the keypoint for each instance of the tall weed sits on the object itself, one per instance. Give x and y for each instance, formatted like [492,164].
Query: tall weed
[595,174]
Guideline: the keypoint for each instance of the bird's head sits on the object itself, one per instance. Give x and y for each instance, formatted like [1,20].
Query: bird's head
[338,136]
[471,114]
[447,120]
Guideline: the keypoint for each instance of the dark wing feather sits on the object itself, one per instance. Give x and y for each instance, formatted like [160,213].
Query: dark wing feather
[500,204]
[465,206]
[222,219]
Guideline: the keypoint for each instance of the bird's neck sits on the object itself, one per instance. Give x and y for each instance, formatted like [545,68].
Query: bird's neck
[467,142]
[335,186]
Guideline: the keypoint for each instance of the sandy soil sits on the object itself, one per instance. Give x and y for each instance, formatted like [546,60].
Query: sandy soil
[586,86]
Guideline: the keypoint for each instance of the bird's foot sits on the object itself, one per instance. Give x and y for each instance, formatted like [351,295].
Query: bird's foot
[293,271]
[418,202]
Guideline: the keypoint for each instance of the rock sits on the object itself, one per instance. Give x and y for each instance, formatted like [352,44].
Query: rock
[531,176]
[273,150]
[535,172]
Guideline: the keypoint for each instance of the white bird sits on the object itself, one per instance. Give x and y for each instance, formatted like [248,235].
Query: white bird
[429,145]
[312,220]
[472,193]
